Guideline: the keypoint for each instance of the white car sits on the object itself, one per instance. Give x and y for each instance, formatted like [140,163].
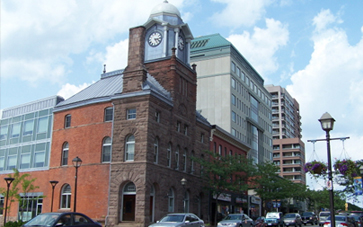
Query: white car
[179,220]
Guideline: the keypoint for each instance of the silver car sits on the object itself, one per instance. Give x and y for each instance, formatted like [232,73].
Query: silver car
[292,219]
[179,220]
[341,220]
[236,220]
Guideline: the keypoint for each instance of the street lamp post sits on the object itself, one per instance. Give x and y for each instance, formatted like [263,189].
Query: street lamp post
[76,163]
[8,180]
[183,183]
[53,183]
[327,123]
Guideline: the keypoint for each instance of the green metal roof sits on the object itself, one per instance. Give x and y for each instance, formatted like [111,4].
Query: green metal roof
[208,41]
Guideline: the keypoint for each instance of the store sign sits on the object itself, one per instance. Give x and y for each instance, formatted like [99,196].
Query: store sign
[223,197]
[241,200]
[255,200]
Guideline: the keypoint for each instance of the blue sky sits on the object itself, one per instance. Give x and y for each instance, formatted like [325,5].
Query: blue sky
[314,48]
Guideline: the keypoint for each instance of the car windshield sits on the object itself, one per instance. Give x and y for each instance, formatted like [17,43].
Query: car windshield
[324,214]
[289,215]
[233,217]
[47,219]
[356,217]
[173,218]
[307,213]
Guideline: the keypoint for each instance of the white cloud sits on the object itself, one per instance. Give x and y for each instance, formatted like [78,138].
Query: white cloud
[50,33]
[260,47]
[69,90]
[331,82]
[240,12]
[116,56]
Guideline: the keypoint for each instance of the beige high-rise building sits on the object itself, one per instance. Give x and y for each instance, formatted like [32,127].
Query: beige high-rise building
[288,149]
[231,94]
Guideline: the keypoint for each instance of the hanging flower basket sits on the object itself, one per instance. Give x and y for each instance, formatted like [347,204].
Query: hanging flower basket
[347,168]
[315,167]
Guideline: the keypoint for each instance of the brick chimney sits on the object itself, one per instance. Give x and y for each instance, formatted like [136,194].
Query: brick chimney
[135,72]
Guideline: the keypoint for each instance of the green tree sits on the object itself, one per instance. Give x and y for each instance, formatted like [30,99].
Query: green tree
[321,199]
[22,183]
[271,187]
[223,174]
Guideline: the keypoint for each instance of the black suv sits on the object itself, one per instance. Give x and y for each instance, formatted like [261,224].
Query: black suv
[309,217]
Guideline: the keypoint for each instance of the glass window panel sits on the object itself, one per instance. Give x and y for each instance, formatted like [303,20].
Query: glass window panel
[130,148]
[109,114]
[2,162]
[28,127]
[106,150]
[4,132]
[42,125]
[15,132]
[39,159]
[131,114]
[67,121]
[11,162]
[25,161]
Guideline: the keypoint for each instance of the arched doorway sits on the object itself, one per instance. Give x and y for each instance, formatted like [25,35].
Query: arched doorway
[128,202]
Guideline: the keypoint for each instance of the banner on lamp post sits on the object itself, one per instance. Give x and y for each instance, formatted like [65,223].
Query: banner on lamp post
[357,186]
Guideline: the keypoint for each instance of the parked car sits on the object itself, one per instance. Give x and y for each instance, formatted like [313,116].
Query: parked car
[236,220]
[292,219]
[357,219]
[62,219]
[323,215]
[309,217]
[341,220]
[274,219]
[179,220]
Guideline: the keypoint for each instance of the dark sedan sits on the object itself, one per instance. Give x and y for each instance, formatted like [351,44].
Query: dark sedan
[62,219]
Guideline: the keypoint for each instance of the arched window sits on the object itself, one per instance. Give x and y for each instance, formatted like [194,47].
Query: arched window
[177,158]
[185,160]
[186,202]
[65,154]
[106,149]
[130,148]
[168,155]
[171,200]
[66,196]
[156,150]
[192,162]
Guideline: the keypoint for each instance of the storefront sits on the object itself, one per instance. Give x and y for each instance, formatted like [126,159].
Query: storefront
[254,207]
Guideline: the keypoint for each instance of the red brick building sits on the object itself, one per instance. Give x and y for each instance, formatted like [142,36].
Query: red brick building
[135,131]
[154,129]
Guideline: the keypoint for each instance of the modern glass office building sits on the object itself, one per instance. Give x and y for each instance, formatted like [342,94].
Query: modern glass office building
[25,135]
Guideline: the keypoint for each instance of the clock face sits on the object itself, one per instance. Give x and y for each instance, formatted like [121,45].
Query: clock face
[180,43]
[155,39]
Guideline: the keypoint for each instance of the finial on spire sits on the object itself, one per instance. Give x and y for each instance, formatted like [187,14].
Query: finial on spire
[104,68]
[166,1]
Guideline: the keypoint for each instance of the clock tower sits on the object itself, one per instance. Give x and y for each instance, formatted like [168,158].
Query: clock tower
[164,30]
